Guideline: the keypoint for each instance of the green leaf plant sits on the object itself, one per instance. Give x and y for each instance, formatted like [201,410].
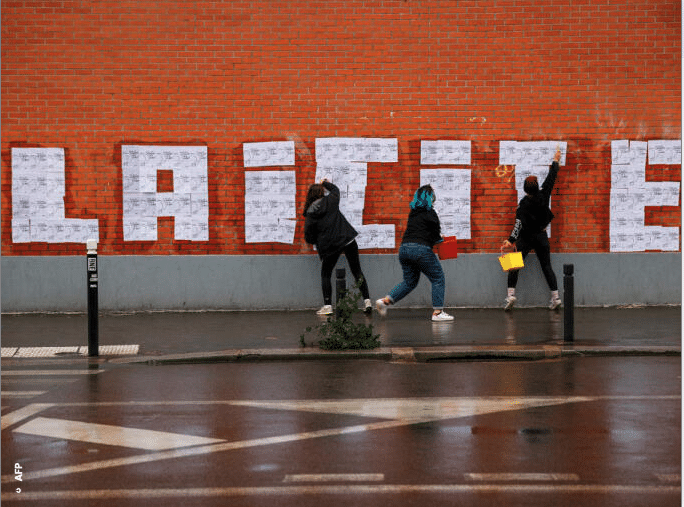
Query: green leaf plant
[340,331]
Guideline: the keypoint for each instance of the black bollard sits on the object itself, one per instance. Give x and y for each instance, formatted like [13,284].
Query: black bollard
[340,289]
[568,302]
[93,338]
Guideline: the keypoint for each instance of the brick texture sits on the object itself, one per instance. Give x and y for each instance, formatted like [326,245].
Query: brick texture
[90,77]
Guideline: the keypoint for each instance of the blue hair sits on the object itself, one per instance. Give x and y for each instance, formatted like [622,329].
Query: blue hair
[423,198]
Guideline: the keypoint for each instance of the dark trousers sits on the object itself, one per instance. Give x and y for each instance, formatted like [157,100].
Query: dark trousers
[351,252]
[540,244]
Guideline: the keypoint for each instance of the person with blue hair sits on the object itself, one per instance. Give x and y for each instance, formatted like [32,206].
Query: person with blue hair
[423,231]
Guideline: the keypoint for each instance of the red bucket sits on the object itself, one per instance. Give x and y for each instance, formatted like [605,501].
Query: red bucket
[448,249]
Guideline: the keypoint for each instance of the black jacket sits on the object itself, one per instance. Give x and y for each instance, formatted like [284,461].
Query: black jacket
[533,213]
[325,226]
[423,227]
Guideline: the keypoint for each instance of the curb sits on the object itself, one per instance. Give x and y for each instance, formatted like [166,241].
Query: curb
[255,355]
[405,354]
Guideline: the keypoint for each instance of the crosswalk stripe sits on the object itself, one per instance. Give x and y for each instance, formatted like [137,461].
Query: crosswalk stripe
[334,478]
[522,477]
[669,477]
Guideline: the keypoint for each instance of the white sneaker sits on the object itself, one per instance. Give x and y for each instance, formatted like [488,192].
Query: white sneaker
[325,310]
[442,317]
[367,306]
[381,306]
[555,303]
[510,302]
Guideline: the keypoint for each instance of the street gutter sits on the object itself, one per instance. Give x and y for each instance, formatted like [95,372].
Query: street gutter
[405,354]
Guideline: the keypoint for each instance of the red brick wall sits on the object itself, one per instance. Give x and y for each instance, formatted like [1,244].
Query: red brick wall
[90,77]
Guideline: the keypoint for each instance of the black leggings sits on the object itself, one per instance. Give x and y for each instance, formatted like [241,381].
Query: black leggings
[540,244]
[351,252]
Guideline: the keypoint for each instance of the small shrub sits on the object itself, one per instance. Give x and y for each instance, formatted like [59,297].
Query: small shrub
[340,332]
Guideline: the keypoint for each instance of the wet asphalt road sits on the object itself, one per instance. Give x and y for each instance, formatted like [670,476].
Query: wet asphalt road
[577,432]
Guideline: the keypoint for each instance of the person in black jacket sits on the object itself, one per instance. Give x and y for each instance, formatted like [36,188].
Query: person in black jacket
[416,256]
[529,232]
[327,228]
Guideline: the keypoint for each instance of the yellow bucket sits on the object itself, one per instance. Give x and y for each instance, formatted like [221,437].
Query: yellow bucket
[512,260]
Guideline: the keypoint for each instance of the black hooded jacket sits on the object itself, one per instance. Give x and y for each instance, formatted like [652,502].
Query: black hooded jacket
[533,213]
[325,225]
[423,227]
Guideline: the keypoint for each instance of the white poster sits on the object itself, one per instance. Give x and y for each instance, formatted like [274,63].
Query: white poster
[188,203]
[275,153]
[445,152]
[38,191]
[531,158]
[531,153]
[356,149]
[630,194]
[270,208]
[452,189]
[343,161]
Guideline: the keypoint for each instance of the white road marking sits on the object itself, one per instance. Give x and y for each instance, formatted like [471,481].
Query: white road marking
[19,373]
[416,410]
[198,451]
[344,489]
[41,381]
[522,477]
[334,478]
[265,403]
[23,413]
[352,407]
[22,394]
[669,477]
[111,435]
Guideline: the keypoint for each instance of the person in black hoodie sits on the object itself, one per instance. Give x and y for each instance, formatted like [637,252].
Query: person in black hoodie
[327,228]
[529,232]
[423,230]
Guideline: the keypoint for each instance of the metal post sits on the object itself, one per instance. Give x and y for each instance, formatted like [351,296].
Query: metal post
[340,289]
[569,302]
[93,338]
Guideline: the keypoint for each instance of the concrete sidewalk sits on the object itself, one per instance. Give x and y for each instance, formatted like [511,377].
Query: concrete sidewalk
[405,334]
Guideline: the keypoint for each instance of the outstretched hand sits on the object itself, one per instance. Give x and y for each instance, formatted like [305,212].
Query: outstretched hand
[557,156]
